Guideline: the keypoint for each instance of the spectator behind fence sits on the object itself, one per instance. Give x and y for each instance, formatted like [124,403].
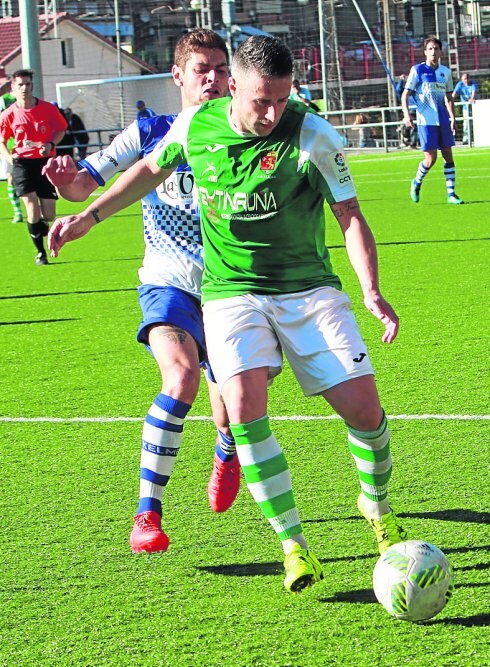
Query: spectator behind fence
[366,134]
[77,129]
[66,145]
[466,90]
[143,110]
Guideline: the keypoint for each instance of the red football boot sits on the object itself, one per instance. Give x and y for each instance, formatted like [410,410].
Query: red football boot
[224,483]
[147,534]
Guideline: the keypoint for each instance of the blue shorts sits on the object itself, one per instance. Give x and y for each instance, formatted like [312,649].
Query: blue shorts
[169,305]
[435,137]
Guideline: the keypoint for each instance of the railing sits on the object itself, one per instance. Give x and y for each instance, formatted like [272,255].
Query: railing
[385,126]
[100,143]
[381,120]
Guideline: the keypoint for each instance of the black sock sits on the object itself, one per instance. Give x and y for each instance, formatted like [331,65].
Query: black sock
[37,231]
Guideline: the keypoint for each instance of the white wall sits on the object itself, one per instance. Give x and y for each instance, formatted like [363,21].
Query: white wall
[92,59]
[481,126]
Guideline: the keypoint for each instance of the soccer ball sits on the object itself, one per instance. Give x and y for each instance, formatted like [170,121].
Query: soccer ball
[413,580]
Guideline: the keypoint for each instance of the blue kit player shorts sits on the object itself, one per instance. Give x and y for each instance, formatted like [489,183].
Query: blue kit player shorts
[169,305]
[435,137]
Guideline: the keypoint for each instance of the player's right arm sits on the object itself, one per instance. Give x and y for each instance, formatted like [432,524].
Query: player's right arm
[133,184]
[5,134]
[70,183]
[4,151]
[98,168]
[407,118]
[411,85]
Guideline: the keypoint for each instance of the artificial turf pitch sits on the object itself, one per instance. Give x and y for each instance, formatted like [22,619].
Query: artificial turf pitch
[75,387]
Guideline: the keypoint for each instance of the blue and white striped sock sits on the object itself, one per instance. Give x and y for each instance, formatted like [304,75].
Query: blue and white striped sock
[225,446]
[450,176]
[422,172]
[162,435]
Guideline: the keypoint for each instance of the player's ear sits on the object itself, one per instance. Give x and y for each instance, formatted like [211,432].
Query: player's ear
[177,75]
[232,84]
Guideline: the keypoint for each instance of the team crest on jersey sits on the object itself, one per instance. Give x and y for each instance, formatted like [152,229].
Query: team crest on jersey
[268,161]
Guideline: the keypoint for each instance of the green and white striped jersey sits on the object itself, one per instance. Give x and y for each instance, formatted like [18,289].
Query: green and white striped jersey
[261,198]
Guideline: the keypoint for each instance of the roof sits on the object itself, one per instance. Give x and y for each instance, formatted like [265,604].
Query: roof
[10,42]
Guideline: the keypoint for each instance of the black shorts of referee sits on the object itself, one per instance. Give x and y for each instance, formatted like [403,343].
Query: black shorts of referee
[28,178]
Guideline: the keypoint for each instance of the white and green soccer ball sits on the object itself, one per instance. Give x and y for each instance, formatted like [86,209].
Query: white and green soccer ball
[413,580]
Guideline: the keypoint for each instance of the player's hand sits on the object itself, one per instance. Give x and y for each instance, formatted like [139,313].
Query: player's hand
[408,121]
[67,229]
[381,309]
[60,170]
[46,149]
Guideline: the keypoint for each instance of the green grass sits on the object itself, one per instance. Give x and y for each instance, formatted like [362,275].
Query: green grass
[72,594]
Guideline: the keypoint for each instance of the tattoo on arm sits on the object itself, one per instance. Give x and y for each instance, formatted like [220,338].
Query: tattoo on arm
[345,207]
[173,334]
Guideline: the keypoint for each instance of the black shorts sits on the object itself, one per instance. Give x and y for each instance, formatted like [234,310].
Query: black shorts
[28,178]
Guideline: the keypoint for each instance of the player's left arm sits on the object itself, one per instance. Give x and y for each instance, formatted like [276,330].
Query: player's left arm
[363,256]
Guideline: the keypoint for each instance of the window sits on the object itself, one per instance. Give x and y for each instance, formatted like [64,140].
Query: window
[67,59]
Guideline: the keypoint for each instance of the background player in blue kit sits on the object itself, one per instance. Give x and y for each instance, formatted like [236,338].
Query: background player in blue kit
[171,283]
[466,90]
[431,86]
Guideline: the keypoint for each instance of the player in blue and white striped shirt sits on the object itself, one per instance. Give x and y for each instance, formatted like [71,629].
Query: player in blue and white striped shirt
[170,289]
[431,86]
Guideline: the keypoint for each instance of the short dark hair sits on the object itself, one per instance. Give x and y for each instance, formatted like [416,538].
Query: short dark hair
[23,73]
[432,38]
[266,55]
[197,40]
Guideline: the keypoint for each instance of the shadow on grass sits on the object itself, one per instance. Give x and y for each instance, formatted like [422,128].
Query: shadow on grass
[62,319]
[463,515]
[366,596]
[72,293]
[267,569]
[271,568]
[477,621]
[421,242]
[359,596]
[58,262]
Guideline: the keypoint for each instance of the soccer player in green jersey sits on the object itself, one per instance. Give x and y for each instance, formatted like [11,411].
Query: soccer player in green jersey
[5,101]
[264,166]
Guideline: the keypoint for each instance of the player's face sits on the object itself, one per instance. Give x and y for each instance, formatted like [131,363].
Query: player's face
[258,101]
[205,77]
[432,53]
[22,87]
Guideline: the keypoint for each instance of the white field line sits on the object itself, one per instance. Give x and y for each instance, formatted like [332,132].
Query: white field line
[302,418]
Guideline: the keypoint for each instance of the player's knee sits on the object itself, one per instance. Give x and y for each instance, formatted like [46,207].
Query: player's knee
[368,417]
[181,382]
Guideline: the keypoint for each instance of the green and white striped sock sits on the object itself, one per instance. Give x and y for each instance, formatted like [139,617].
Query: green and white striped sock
[371,452]
[267,476]
[14,200]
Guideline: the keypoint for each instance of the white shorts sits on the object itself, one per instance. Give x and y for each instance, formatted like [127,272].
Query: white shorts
[316,330]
